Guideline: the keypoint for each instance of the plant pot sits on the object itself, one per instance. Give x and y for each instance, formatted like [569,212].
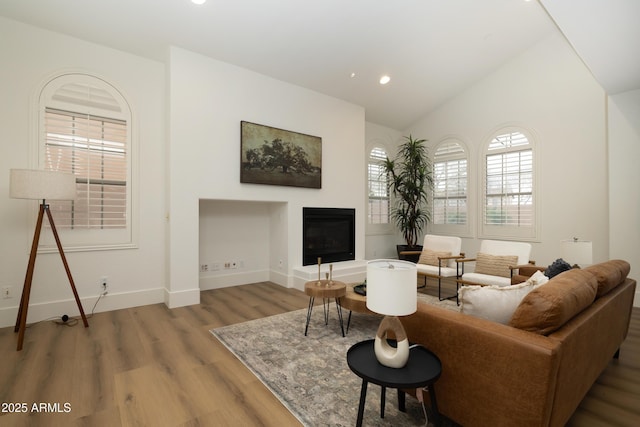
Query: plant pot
[409,257]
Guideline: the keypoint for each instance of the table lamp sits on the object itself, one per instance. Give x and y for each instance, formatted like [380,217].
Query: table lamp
[41,185]
[391,291]
[577,252]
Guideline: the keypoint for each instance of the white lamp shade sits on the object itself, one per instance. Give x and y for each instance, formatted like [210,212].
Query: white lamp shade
[391,287]
[41,185]
[577,252]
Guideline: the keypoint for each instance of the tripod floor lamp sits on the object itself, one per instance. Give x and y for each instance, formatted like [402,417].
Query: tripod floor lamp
[41,185]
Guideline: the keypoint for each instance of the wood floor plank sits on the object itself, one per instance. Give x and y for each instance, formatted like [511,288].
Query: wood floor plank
[157,366]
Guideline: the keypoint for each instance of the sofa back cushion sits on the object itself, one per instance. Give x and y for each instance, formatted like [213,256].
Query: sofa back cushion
[548,307]
[429,257]
[450,244]
[609,274]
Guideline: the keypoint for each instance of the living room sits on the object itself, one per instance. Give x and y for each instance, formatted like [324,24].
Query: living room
[188,167]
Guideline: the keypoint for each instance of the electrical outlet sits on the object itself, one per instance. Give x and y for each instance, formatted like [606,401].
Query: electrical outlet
[7,292]
[227,265]
[104,283]
[204,268]
[234,264]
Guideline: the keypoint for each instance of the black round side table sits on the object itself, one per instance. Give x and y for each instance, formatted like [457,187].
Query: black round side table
[422,370]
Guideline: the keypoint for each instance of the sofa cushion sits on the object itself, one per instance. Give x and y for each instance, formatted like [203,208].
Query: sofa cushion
[429,257]
[548,307]
[496,303]
[609,274]
[495,265]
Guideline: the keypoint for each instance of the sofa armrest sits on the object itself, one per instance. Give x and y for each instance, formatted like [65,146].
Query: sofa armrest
[492,374]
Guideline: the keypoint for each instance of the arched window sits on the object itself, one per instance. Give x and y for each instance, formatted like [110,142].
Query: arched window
[85,129]
[450,183]
[509,209]
[378,190]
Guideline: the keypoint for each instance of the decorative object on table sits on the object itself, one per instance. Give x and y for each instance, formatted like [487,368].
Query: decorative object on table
[319,265]
[330,275]
[41,185]
[391,291]
[279,157]
[410,183]
[361,289]
[578,252]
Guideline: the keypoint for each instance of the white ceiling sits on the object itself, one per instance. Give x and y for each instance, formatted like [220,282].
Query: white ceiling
[432,49]
[606,35]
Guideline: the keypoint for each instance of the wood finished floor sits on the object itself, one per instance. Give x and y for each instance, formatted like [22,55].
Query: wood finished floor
[152,366]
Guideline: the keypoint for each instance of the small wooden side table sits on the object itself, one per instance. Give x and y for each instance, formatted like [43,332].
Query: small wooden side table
[354,302]
[325,289]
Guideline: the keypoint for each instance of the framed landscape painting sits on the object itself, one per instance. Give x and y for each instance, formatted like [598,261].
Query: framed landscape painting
[275,156]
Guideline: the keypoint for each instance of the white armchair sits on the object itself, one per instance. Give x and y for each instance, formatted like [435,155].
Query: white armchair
[438,259]
[495,263]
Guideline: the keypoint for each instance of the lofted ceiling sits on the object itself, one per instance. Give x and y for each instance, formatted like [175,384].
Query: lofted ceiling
[431,49]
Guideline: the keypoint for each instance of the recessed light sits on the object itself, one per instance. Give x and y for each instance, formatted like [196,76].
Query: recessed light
[385,79]
[352,75]
[198,1]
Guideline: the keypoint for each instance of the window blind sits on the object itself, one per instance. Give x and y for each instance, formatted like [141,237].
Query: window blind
[509,181]
[94,149]
[450,184]
[378,190]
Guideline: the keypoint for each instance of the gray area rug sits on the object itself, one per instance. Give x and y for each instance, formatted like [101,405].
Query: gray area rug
[309,374]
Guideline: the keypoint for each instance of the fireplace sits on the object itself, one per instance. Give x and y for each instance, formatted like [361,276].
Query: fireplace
[328,233]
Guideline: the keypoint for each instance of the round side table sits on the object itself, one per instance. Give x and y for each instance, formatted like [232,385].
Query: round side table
[422,370]
[325,289]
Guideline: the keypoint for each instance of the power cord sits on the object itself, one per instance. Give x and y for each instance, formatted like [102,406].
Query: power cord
[65,320]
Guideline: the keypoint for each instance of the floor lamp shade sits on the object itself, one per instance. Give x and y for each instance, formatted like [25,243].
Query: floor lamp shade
[391,290]
[577,252]
[40,185]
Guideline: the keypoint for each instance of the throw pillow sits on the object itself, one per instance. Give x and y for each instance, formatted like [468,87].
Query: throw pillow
[495,303]
[557,267]
[495,265]
[429,257]
[538,278]
[548,307]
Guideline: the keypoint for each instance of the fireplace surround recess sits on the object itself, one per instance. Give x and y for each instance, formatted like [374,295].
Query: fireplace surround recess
[328,233]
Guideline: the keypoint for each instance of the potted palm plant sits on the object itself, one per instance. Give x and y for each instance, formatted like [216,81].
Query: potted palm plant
[410,183]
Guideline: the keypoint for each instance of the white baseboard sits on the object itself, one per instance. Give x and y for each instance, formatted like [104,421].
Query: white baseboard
[52,309]
[233,279]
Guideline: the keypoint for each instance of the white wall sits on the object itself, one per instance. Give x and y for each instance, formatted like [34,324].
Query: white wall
[208,99]
[548,91]
[136,276]
[624,180]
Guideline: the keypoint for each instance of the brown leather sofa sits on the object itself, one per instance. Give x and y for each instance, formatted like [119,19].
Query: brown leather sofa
[536,370]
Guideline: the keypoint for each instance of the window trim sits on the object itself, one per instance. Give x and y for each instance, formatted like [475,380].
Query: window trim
[77,240]
[502,232]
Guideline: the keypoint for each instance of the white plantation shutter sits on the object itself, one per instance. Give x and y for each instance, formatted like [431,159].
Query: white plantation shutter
[378,190]
[450,174]
[86,130]
[509,185]
[95,150]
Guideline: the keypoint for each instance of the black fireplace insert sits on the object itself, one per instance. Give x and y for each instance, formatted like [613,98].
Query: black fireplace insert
[328,233]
